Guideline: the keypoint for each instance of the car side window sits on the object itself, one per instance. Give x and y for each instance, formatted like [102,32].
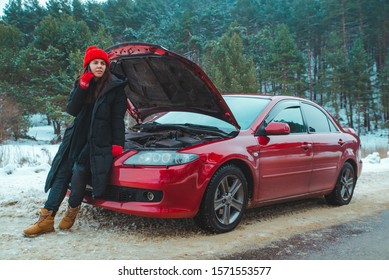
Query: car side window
[291,116]
[317,121]
[333,128]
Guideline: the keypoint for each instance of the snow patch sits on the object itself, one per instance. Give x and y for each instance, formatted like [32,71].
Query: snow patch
[9,169]
[373,158]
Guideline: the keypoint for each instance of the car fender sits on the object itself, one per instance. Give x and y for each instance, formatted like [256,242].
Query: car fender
[349,156]
[213,160]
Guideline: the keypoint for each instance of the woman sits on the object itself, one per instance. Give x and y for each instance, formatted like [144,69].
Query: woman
[98,103]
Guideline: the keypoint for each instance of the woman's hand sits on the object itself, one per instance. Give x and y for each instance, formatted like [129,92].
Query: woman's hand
[85,80]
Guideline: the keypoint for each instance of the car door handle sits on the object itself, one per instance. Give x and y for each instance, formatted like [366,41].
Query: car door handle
[341,142]
[306,146]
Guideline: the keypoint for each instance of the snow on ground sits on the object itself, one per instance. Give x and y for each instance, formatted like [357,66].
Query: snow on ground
[23,168]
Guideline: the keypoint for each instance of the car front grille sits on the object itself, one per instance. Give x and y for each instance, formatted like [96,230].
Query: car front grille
[127,194]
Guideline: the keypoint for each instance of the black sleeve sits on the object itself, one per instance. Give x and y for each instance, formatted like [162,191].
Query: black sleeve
[75,101]
[118,111]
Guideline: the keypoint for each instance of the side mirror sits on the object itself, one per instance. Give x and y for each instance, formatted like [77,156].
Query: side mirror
[277,128]
[349,130]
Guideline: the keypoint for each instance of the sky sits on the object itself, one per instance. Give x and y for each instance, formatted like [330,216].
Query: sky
[4,2]
[42,2]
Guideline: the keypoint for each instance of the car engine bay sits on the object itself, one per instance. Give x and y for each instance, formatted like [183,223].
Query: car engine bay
[138,139]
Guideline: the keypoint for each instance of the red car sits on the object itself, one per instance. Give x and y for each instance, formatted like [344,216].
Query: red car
[197,154]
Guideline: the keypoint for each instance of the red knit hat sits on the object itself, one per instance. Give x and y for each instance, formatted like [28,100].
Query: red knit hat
[94,52]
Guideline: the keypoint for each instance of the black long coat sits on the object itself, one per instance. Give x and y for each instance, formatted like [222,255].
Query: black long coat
[106,129]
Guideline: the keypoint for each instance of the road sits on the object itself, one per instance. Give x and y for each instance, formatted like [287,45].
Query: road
[364,239]
[308,229]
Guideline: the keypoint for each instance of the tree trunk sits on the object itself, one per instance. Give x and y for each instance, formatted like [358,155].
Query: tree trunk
[358,109]
[57,128]
[344,32]
[310,70]
[350,114]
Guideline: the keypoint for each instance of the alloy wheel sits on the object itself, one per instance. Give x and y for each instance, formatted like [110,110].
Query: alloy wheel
[347,184]
[229,199]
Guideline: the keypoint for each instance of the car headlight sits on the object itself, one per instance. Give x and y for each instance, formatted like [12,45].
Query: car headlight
[160,158]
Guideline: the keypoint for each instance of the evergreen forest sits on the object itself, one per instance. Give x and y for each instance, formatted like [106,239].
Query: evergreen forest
[334,52]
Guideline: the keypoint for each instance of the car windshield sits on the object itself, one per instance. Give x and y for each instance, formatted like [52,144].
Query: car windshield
[245,110]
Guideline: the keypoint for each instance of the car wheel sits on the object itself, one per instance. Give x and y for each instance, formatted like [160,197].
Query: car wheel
[224,200]
[344,188]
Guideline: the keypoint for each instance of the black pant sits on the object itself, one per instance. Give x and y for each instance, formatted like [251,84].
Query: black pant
[78,175]
[59,185]
[80,178]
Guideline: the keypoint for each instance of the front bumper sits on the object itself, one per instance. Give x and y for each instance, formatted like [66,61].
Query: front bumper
[159,192]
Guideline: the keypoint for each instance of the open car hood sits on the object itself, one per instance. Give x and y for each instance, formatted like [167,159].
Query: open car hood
[159,81]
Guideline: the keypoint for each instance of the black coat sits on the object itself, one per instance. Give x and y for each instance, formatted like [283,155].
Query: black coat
[106,129]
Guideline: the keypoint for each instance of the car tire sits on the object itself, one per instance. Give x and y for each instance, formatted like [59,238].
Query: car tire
[224,201]
[344,188]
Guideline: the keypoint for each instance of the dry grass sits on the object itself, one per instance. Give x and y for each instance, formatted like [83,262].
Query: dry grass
[382,151]
[24,155]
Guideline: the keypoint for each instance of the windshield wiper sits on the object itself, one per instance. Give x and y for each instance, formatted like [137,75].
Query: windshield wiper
[155,125]
[147,124]
[206,128]
[203,128]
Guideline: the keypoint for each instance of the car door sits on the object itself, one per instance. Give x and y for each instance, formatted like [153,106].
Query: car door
[285,161]
[327,147]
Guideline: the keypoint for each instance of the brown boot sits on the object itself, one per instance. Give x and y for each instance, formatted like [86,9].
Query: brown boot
[44,224]
[70,216]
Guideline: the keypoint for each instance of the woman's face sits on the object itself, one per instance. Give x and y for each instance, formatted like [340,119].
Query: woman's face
[97,67]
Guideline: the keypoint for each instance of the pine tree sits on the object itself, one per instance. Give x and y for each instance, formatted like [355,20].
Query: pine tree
[246,13]
[33,14]
[13,14]
[56,8]
[312,55]
[331,76]
[359,95]
[384,89]
[284,63]
[11,43]
[231,70]
[119,17]
[95,17]
[64,33]
[306,21]
[78,10]
[184,33]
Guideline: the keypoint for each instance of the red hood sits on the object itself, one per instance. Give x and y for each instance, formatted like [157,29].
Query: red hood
[159,81]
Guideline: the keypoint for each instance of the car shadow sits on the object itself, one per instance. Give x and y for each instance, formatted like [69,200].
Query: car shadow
[282,209]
